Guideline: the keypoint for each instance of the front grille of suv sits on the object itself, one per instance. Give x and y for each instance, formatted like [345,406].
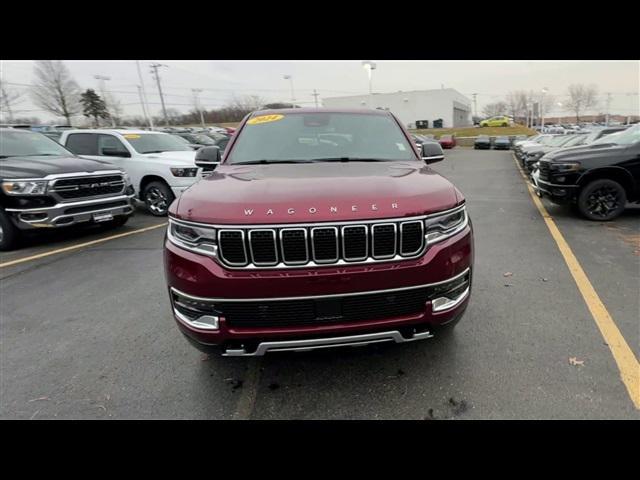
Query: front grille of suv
[321,244]
[87,186]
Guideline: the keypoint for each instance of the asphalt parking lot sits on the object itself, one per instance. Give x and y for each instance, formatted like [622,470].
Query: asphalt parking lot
[87,332]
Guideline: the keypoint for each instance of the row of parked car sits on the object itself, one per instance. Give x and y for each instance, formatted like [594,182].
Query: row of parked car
[445,141]
[598,172]
[94,175]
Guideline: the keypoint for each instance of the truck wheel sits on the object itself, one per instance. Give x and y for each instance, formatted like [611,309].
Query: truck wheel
[602,200]
[9,234]
[158,196]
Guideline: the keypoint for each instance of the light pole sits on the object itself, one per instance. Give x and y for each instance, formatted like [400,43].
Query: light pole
[369,66]
[145,107]
[293,98]
[560,105]
[196,91]
[544,91]
[103,90]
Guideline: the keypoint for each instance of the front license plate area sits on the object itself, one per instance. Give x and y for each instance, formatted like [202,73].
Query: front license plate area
[329,309]
[102,217]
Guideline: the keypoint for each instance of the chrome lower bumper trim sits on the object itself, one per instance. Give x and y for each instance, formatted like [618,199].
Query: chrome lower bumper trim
[331,342]
[53,215]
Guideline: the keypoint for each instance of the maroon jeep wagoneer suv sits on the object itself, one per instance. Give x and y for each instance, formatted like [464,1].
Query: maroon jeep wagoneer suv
[318,228]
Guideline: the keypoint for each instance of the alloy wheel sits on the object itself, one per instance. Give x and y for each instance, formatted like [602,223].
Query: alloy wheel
[603,201]
[156,200]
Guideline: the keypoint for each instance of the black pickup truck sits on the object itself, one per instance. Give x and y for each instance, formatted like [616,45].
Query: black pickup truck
[43,185]
[600,178]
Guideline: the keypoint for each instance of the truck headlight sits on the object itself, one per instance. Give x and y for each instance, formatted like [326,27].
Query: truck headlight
[439,227]
[565,167]
[197,239]
[184,172]
[28,187]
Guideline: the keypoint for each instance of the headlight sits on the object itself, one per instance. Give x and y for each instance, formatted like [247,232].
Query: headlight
[127,179]
[184,172]
[565,167]
[442,226]
[194,238]
[29,187]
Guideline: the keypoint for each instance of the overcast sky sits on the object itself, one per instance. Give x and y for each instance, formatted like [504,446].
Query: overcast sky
[220,80]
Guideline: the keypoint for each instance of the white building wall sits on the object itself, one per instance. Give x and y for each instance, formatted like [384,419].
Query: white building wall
[409,106]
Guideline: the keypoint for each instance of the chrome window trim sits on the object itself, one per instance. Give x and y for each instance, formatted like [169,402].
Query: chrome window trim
[312,297]
[306,246]
[366,243]
[244,247]
[313,246]
[275,247]
[373,241]
[422,234]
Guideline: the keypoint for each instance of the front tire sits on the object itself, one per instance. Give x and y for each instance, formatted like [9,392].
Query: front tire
[158,196]
[9,234]
[602,200]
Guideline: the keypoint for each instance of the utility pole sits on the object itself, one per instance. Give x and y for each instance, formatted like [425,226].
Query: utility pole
[147,112]
[196,91]
[608,105]
[154,71]
[103,91]
[315,97]
[293,98]
[144,108]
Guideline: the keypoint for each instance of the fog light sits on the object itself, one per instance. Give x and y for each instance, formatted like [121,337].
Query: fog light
[441,304]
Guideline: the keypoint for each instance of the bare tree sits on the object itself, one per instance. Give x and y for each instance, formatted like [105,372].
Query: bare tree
[495,108]
[581,98]
[8,98]
[517,104]
[55,90]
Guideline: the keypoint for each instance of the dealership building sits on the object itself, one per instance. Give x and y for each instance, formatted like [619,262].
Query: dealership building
[445,105]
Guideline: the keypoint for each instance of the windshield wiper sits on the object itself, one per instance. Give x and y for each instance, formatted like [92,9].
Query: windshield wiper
[154,151]
[269,162]
[351,159]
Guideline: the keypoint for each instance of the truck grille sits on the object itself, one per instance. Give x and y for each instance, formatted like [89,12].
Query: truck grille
[545,171]
[320,244]
[336,309]
[86,187]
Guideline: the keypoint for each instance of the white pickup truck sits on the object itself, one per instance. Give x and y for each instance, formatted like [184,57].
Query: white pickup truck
[161,166]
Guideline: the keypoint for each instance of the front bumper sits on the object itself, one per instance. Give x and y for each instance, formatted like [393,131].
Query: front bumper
[560,194]
[70,213]
[203,279]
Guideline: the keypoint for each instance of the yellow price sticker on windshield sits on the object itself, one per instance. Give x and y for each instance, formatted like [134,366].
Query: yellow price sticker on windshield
[131,135]
[264,119]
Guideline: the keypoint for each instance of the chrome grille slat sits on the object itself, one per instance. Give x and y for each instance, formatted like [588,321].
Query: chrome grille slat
[87,186]
[297,246]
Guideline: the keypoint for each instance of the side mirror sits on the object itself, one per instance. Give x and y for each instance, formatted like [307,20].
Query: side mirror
[432,152]
[208,158]
[115,152]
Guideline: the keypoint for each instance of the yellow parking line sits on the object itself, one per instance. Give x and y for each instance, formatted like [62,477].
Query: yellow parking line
[80,245]
[624,357]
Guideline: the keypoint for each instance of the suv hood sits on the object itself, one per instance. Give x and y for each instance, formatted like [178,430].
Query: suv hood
[179,157]
[293,193]
[41,166]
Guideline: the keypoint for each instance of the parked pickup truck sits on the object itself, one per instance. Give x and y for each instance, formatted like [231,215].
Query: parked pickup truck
[46,186]
[599,178]
[318,228]
[161,166]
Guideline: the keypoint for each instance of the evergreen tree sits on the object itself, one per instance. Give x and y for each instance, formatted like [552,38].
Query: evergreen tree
[93,106]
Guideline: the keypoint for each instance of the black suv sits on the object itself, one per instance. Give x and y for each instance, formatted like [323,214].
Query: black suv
[599,178]
[43,185]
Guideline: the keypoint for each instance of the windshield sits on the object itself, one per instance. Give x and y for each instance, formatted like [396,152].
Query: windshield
[625,137]
[23,143]
[156,143]
[575,140]
[320,136]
